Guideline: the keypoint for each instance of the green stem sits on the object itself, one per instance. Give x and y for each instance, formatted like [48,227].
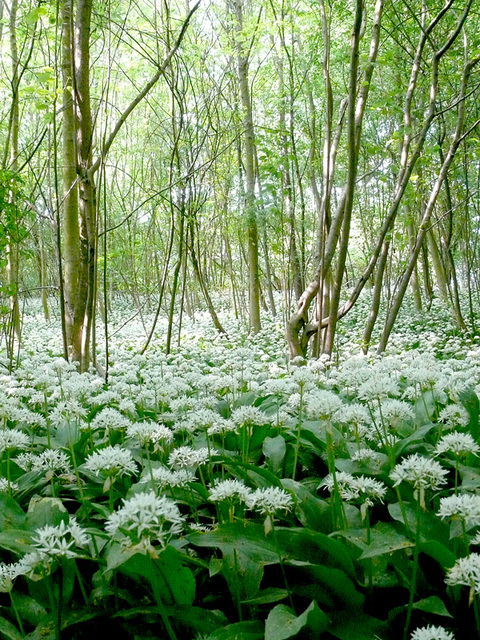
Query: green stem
[160,605]
[413,582]
[17,615]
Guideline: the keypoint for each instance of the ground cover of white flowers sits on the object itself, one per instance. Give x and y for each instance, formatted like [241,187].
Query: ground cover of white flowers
[222,492]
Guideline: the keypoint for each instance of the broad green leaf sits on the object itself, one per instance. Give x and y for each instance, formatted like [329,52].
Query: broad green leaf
[16,540]
[433,604]
[438,552]
[330,587]
[385,539]
[432,527]
[45,511]
[282,623]
[8,631]
[29,609]
[239,631]
[315,548]
[193,620]
[360,626]
[11,514]
[417,436]
[245,553]
[267,596]
[175,581]
[274,450]
[312,512]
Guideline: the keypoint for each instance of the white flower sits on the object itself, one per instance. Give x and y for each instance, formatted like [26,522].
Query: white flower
[422,473]
[466,571]
[184,457]
[365,455]
[395,411]
[460,444]
[229,490]
[61,540]
[322,404]
[378,387]
[145,518]
[6,486]
[269,500]
[11,439]
[50,460]
[110,419]
[249,415]
[164,477]
[149,432]
[454,415]
[351,487]
[431,632]
[112,461]
[465,506]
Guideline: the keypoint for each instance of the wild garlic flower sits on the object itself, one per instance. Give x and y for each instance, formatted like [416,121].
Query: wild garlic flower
[352,487]
[164,477]
[248,415]
[421,472]
[460,444]
[377,388]
[454,415]
[111,461]
[466,571]
[149,432]
[222,426]
[395,412]
[430,632]
[269,500]
[49,460]
[322,404]
[365,455]
[11,439]
[144,519]
[185,457]
[229,490]
[465,506]
[7,487]
[61,540]
[110,419]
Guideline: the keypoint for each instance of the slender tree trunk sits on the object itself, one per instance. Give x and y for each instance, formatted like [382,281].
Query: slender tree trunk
[249,145]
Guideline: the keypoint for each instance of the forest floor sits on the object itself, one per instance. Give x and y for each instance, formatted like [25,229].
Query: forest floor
[221,492]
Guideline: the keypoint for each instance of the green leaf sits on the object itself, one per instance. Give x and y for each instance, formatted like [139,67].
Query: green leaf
[359,626]
[438,552]
[315,548]
[433,604]
[312,512]
[245,551]
[282,623]
[175,581]
[385,539]
[45,511]
[239,631]
[11,514]
[267,596]
[9,631]
[328,586]
[16,540]
[274,450]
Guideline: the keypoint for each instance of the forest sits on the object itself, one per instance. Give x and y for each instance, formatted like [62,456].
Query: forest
[239,319]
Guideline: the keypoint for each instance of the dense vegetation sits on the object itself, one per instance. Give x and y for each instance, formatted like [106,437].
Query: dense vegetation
[223,492]
[212,214]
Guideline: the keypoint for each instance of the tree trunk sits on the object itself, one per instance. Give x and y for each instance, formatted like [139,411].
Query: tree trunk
[249,146]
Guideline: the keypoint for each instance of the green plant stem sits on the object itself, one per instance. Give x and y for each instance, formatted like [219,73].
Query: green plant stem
[413,582]
[160,605]
[282,567]
[299,429]
[477,614]
[80,583]
[17,615]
